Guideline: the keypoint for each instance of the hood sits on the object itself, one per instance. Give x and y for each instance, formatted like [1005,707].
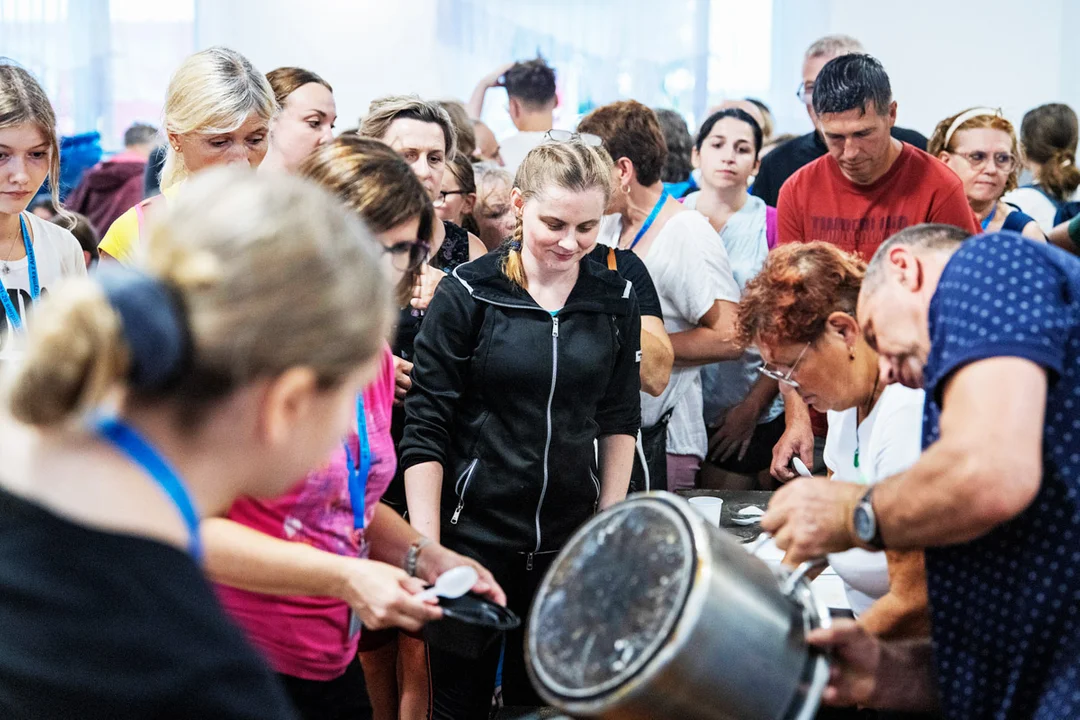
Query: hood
[597,290]
[109,176]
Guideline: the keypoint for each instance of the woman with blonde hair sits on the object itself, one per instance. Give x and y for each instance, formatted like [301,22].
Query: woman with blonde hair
[305,121]
[150,399]
[35,254]
[294,571]
[218,110]
[980,146]
[508,411]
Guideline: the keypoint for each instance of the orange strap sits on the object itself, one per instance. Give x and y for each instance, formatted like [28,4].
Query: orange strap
[611,265]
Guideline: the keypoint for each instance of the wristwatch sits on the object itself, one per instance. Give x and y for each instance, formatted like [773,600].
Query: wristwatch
[865,522]
[413,555]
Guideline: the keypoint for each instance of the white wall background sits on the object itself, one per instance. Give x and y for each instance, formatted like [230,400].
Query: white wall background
[106,62]
[941,55]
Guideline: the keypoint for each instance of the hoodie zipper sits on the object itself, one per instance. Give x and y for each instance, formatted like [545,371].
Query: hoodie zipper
[547,439]
[596,484]
[551,397]
[461,486]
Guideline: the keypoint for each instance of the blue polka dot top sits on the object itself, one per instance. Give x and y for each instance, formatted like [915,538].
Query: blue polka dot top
[1006,607]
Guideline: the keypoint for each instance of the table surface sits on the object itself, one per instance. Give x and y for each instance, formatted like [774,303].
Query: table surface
[734,501]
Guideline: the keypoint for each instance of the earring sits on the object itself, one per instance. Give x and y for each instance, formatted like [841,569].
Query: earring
[851,354]
[626,189]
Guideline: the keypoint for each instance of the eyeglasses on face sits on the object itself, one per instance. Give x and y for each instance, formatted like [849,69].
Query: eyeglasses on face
[785,378]
[977,159]
[805,92]
[562,136]
[444,194]
[408,254]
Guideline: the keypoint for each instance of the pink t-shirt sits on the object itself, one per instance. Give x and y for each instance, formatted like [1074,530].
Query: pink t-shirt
[308,637]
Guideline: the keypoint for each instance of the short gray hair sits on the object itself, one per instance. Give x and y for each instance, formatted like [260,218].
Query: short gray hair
[140,134]
[833,45]
[927,236]
[385,110]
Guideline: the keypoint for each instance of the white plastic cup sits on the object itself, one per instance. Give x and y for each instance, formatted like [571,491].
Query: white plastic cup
[709,508]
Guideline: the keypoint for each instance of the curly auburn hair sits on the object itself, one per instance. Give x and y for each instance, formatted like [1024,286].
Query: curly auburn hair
[791,299]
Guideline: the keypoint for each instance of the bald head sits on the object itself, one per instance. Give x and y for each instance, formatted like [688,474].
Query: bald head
[932,237]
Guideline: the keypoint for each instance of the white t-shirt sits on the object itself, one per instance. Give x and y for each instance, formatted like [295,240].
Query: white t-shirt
[58,255]
[514,148]
[691,271]
[1032,202]
[889,442]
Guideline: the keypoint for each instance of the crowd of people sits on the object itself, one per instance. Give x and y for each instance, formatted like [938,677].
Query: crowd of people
[304,373]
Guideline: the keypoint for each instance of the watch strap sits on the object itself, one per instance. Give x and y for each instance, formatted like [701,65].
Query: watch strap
[867,504]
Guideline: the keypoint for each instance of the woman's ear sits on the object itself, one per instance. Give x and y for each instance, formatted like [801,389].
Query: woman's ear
[517,202]
[468,203]
[174,141]
[624,168]
[287,403]
[845,327]
[695,158]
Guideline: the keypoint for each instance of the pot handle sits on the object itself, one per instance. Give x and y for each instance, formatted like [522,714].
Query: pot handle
[799,573]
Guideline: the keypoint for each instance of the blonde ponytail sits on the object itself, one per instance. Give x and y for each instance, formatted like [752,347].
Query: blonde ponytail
[75,356]
[512,267]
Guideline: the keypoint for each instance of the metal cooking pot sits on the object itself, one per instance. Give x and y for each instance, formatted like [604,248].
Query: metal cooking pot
[650,612]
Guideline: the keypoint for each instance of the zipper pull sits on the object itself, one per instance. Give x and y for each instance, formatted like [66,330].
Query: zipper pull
[554,328]
[457,512]
[529,561]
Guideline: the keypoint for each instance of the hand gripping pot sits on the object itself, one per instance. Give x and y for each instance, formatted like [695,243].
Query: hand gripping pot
[649,612]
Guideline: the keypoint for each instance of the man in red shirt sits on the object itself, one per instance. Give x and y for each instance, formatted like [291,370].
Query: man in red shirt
[870,185]
[866,189]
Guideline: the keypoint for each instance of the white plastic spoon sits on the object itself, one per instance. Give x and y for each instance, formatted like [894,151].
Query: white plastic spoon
[800,467]
[452,584]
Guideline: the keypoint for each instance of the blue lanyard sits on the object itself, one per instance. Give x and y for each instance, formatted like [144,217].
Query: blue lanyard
[35,289]
[989,218]
[649,220]
[125,439]
[359,469]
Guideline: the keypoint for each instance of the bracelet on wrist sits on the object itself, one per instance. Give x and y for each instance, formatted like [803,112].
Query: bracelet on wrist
[412,556]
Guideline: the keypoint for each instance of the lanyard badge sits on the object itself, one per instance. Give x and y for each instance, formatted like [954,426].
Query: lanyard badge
[35,288]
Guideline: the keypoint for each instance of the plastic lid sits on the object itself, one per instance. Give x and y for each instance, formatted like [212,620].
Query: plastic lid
[612,599]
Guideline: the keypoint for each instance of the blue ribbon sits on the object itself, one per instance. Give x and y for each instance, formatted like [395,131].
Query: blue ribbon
[649,220]
[360,467]
[35,288]
[129,442]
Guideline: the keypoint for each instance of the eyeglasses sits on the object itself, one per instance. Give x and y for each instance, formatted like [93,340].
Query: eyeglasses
[408,255]
[786,379]
[441,200]
[977,159]
[562,136]
[805,92]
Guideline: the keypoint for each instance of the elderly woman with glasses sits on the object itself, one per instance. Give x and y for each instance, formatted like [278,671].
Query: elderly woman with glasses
[980,146]
[800,313]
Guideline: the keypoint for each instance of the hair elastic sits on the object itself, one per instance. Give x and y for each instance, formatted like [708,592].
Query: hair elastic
[515,245]
[154,325]
[968,115]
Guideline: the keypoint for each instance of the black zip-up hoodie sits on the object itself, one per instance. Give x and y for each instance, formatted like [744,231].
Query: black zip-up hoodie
[509,400]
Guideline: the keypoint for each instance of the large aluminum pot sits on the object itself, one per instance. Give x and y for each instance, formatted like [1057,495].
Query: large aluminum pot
[650,612]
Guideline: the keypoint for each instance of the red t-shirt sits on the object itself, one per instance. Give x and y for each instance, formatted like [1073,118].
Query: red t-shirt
[819,203]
